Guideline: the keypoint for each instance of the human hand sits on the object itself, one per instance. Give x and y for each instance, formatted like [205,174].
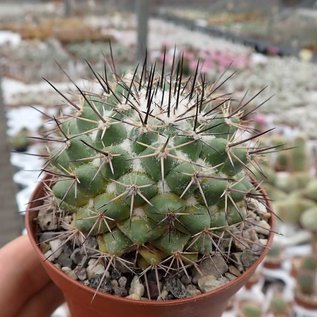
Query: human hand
[25,288]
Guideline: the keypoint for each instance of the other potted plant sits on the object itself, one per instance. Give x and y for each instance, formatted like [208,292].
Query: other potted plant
[148,206]
[250,309]
[279,307]
[306,282]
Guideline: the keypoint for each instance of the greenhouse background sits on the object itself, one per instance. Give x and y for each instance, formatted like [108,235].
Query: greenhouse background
[270,46]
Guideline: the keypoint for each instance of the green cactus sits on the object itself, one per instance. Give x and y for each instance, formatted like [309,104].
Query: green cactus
[311,190]
[251,310]
[309,219]
[299,155]
[275,252]
[290,209]
[279,306]
[310,263]
[306,282]
[152,168]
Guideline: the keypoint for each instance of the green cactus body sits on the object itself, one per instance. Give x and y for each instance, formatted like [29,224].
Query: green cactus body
[310,263]
[279,306]
[251,310]
[306,282]
[291,209]
[311,190]
[154,172]
[309,219]
[299,155]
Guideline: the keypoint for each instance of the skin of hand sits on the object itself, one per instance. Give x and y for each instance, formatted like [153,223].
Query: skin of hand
[25,288]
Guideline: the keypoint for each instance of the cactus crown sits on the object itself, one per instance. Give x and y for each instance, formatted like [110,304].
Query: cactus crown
[156,166]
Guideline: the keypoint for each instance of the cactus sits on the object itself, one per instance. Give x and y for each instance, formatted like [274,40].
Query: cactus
[279,306]
[300,155]
[310,263]
[250,310]
[311,190]
[306,282]
[154,170]
[274,258]
[309,219]
[291,209]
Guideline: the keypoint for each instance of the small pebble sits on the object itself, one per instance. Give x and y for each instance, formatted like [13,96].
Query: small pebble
[56,247]
[215,265]
[78,257]
[237,257]
[64,260]
[250,234]
[94,268]
[192,290]
[267,216]
[247,258]
[46,236]
[230,276]
[257,248]
[176,288]
[66,222]
[134,296]
[115,274]
[45,247]
[164,294]
[210,282]
[69,272]
[262,227]
[233,270]
[47,220]
[186,280]
[122,281]
[50,255]
[81,273]
[136,287]
[105,285]
[120,291]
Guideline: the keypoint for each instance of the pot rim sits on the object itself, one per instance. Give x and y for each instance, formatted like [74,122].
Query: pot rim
[31,234]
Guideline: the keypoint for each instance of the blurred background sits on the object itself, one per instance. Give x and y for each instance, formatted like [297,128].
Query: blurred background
[270,44]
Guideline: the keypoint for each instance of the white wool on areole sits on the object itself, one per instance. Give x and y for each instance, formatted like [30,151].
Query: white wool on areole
[138,212]
[163,188]
[111,188]
[126,145]
[160,102]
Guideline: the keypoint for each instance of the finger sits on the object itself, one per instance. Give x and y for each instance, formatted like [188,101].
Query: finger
[22,275]
[43,303]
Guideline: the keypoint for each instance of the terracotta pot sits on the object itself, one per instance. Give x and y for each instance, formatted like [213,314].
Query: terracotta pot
[272,264]
[305,301]
[79,297]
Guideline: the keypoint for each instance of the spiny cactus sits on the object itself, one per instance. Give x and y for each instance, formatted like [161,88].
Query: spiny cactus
[310,263]
[279,306]
[300,155]
[308,219]
[250,310]
[306,282]
[156,167]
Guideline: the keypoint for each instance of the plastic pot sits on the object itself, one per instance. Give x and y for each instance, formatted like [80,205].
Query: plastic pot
[79,297]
